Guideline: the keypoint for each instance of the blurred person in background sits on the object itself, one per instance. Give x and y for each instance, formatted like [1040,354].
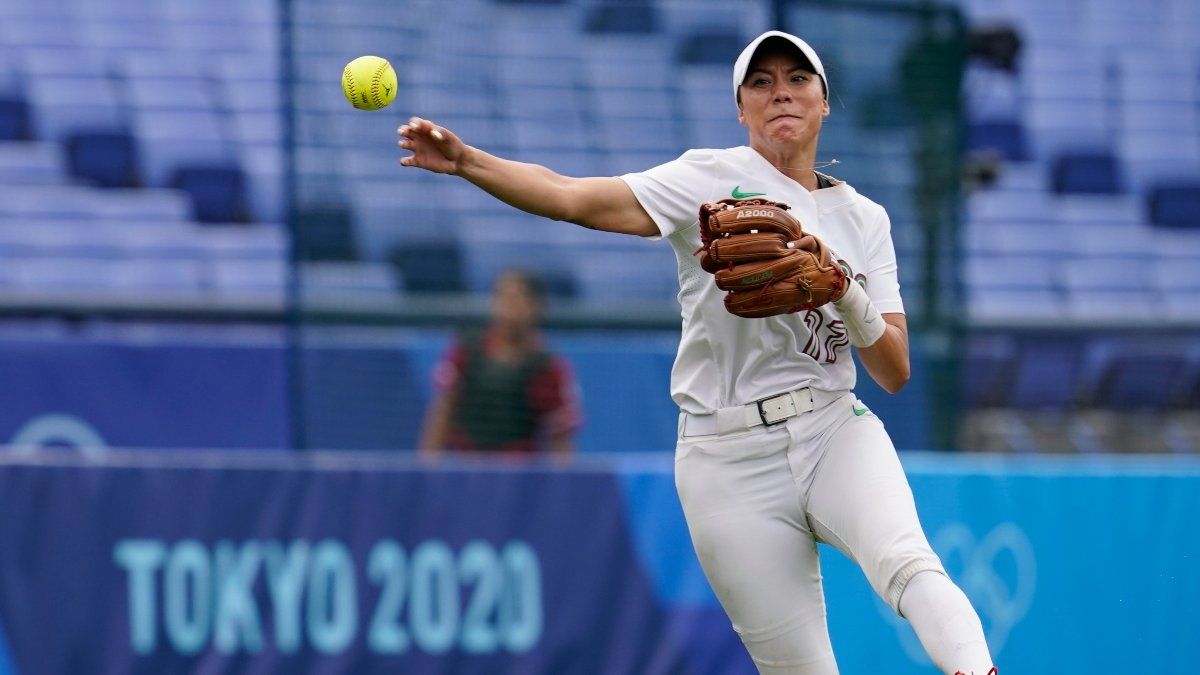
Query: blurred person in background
[501,389]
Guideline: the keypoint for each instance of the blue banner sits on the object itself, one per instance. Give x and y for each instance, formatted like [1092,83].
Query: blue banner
[176,563]
[125,392]
[275,562]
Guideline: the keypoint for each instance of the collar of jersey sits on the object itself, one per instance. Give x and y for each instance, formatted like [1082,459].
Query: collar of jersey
[828,199]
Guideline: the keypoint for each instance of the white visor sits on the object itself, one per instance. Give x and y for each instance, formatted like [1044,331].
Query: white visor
[743,60]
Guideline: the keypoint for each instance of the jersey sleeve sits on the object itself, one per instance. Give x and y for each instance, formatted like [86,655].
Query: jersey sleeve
[673,192]
[883,285]
[449,369]
[554,397]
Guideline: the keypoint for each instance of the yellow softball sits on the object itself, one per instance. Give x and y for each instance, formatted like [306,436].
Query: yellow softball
[369,82]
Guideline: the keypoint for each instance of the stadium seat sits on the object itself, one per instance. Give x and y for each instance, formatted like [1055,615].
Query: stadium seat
[14,119]
[622,16]
[218,192]
[1004,138]
[1046,374]
[429,267]
[710,47]
[106,159]
[987,367]
[1092,173]
[1176,206]
[1135,373]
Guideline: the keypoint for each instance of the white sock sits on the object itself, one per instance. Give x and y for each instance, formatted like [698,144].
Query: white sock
[947,625]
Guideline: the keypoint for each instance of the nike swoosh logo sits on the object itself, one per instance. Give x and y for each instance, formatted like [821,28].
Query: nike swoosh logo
[738,194]
[859,412]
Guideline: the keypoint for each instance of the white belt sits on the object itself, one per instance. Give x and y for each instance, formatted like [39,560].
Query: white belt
[766,412]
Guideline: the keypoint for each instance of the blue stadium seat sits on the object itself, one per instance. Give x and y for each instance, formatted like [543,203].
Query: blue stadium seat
[710,47]
[14,119]
[1176,206]
[1004,138]
[1135,373]
[218,192]
[1046,374]
[987,367]
[1091,173]
[622,16]
[431,267]
[106,159]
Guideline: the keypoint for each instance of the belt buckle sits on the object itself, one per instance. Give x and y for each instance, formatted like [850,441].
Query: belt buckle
[762,414]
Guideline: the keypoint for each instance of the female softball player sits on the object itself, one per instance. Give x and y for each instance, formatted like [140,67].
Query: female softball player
[774,452]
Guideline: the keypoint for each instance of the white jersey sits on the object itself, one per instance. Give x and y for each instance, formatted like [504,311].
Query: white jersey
[725,360]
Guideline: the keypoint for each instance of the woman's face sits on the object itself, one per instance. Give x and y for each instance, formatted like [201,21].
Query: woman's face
[783,102]
[514,304]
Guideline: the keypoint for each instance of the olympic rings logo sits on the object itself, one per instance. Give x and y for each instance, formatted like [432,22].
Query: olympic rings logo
[998,573]
[57,428]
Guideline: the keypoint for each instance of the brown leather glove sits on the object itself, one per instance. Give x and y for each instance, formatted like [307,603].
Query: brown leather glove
[758,252]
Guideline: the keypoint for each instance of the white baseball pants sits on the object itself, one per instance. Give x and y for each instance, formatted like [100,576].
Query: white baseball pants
[758,500]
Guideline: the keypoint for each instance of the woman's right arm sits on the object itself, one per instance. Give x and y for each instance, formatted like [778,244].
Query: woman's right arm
[601,203]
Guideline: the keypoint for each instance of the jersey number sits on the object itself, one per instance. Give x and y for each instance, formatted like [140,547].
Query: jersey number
[824,339]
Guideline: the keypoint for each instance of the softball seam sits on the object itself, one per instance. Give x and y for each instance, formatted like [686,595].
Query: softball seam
[375,84]
[348,82]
